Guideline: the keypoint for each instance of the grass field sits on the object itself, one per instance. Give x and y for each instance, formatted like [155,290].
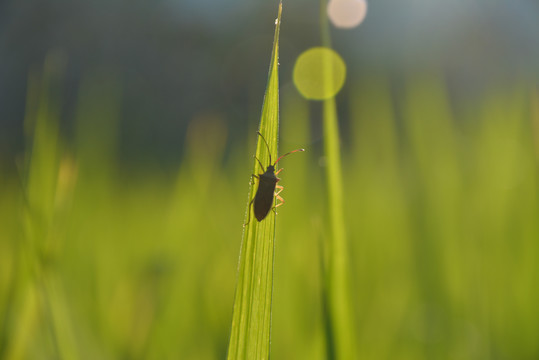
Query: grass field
[441,210]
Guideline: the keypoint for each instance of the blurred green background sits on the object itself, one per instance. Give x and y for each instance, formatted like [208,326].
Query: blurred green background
[127,131]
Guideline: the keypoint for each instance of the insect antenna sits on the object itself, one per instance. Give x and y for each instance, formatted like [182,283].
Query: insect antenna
[261,166]
[288,153]
[269,152]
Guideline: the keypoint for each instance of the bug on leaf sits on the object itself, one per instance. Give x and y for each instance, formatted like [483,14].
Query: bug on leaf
[267,183]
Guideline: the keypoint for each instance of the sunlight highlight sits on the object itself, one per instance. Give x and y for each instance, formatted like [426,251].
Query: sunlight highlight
[347,14]
[309,71]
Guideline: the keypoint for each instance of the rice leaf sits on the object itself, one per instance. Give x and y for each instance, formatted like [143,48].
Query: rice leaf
[340,328]
[251,319]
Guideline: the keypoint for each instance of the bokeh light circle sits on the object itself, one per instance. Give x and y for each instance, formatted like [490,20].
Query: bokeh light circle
[319,73]
[347,14]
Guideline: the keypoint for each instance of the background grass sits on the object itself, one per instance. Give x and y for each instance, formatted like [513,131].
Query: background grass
[440,206]
[339,313]
[441,214]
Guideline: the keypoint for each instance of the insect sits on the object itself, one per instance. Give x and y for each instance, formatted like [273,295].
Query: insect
[267,183]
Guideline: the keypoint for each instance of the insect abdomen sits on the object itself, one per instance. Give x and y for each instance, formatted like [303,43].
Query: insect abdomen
[264,196]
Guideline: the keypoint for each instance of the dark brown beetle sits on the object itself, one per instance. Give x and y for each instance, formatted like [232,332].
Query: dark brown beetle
[267,182]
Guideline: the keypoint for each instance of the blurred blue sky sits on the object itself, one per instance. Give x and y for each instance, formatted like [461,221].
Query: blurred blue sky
[177,59]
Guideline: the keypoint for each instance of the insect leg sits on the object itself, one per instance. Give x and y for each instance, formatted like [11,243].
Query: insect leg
[250,204]
[279,204]
[281,201]
[278,197]
[278,171]
[249,213]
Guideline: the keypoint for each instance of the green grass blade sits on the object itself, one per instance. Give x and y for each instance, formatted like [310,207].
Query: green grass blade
[44,302]
[251,320]
[340,317]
